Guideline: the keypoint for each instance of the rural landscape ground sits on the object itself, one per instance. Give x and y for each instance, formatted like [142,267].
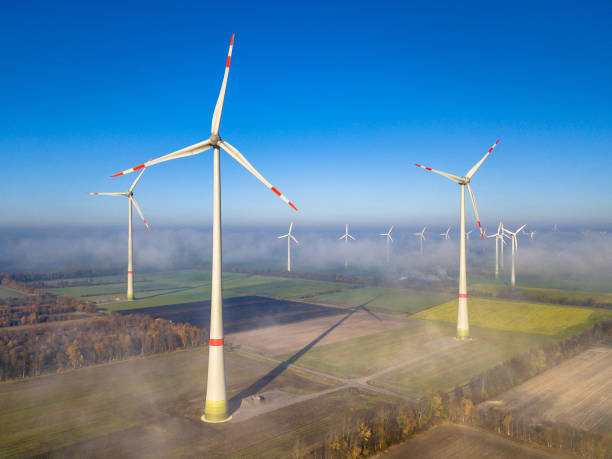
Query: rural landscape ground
[302,358]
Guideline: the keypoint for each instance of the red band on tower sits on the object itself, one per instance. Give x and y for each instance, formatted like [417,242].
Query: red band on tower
[130,272]
[216,342]
[463,295]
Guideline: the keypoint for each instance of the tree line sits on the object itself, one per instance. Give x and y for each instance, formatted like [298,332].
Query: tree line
[390,424]
[70,345]
[39,309]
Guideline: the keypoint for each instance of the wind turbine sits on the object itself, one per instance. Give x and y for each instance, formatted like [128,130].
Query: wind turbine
[215,409]
[531,234]
[289,237]
[421,237]
[131,200]
[445,234]
[346,236]
[463,328]
[499,240]
[389,238]
[514,250]
[467,235]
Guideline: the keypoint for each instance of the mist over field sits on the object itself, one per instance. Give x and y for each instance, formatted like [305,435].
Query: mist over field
[566,256]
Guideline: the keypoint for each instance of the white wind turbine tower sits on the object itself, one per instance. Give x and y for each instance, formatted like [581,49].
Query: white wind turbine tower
[289,237]
[446,234]
[499,240]
[421,237]
[131,200]
[514,250]
[216,397]
[346,237]
[463,328]
[389,238]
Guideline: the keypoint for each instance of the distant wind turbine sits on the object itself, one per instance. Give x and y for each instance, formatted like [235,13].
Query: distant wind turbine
[388,238]
[531,234]
[499,240]
[215,409]
[467,235]
[514,250]
[421,237]
[346,237]
[446,234]
[463,327]
[289,237]
[131,200]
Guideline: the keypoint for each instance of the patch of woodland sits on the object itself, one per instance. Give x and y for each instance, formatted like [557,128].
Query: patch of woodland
[32,351]
[43,308]
[389,424]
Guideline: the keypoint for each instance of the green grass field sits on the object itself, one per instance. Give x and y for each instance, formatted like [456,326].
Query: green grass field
[551,320]
[435,359]
[6,292]
[387,299]
[446,370]
[58,410]
[174,287]
[549,294]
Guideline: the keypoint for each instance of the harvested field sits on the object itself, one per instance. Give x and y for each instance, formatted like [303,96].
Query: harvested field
[577,392]
[552,320]
[450,440]
[158,398]
[243,313]
[326,329]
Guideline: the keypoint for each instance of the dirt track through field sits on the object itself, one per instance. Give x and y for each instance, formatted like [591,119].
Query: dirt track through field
[577,392]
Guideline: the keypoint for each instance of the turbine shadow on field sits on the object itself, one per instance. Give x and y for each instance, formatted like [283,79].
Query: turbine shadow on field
[257,386]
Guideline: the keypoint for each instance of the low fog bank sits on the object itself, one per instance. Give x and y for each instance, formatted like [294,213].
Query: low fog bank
[574,256]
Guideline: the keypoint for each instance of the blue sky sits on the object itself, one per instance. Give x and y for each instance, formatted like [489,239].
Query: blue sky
[333,105]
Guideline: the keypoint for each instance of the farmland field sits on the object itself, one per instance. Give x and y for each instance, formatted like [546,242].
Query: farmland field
[444,370]
[423,349]
[557,321]
[450,440]
[389,299]
[6,292]
[552,294]
[577,392]
[150,397]
[243,313]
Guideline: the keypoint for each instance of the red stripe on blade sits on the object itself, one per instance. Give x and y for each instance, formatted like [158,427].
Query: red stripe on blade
[138,167]
[428,168]
[232,42]
[291,204]
[463,295]
[117,175]
[417,165]
[229,58]
[216,342]
[276,191]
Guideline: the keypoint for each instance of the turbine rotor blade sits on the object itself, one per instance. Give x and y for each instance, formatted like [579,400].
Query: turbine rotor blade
[452,177]
[475,210]
[183,152]
[294,239]
[216,120]
[137,179]
[282,237]
[351,237]
[521,228]
[389,236]
[290,227]
[140,212]
[479,163]
[107,194]
[234,153]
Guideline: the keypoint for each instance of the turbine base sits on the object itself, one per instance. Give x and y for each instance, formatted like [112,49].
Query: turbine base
[215,411]
[463,333]
[130,297]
